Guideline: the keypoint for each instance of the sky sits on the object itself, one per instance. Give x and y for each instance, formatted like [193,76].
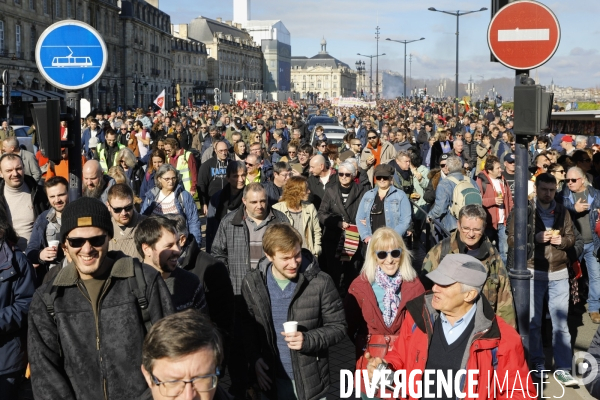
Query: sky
[349,28]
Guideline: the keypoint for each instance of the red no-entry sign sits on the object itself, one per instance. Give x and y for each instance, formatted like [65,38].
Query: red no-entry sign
[524,34]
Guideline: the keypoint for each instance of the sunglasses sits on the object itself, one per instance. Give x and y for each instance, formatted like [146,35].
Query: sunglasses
[119,210]
[371,137]
[249,165]
[345,174]
[95,241]
[382,255]
[562,171]
[572,180]
[382,178]
[443,165]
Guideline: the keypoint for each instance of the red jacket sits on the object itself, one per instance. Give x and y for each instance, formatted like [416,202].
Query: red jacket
[489,334]
[488,198]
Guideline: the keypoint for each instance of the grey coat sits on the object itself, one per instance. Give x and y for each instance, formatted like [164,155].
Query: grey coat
[317,307]
[78,356]
[232,244]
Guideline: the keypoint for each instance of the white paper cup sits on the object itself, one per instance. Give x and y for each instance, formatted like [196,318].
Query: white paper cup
[290,327]
[54,243]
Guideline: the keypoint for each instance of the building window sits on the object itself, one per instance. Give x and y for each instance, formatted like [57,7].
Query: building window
[17,1]
[58,8]
[1,37]
[69,8]
[18,40]
[335,77]
[88,18]
[32,42]
[45,6]
[334,94]
[32,4]
[106,23]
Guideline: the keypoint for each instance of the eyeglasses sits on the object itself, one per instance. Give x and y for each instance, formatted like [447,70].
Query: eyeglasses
[175,388]
[586,160]
[382,178]
[371,137]
[173,179]
[382,255]
[345,174]
[119,210]
[443,165]
[95,241]
[560,171]
[291,152]
[572,180]
[545,166]
[323,145]
[476,231]
[250,165]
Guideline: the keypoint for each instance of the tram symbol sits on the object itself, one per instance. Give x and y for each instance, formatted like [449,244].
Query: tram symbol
[71,61]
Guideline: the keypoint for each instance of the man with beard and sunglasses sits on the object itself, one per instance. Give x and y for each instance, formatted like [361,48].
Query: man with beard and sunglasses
[94,313]
[42,249]
[125,219]
[95,183]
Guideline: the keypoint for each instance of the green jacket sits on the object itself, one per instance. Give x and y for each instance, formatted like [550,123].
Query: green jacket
[497,287]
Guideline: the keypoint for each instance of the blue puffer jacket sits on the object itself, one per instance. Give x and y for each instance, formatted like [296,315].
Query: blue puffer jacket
[594,202]
[147,184]
[398,212]
[443,201]
[16,292]
[185,205]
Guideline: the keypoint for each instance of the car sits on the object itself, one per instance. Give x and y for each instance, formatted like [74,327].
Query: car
[25,141]
[321,120]
[335,135]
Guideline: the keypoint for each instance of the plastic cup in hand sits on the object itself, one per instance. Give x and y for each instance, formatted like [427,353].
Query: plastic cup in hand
[290,327]
[54,243]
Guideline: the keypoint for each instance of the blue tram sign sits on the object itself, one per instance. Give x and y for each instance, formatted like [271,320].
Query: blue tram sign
[71,55]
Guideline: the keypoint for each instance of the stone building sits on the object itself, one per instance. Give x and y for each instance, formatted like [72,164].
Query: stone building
[323,75]
[190,67]
[146,61]
[235,62]
[21,24]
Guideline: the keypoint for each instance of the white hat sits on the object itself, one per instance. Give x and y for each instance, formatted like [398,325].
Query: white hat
[93,143]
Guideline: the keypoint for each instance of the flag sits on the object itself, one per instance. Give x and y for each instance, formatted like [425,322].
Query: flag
[189,102]
[467,107]
[160,100]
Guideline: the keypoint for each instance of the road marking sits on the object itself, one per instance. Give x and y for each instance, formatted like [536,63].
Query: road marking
[520,35]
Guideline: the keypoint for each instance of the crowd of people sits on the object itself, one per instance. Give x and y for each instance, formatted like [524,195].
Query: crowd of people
[203,231]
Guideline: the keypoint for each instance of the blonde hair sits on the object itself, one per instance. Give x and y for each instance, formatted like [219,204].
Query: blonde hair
[382,239]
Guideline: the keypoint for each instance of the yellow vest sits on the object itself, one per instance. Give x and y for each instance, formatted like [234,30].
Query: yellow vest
[102,157]
[184,170]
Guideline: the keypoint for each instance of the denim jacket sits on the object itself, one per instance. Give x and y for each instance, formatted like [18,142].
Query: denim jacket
[593,201]
[398,212]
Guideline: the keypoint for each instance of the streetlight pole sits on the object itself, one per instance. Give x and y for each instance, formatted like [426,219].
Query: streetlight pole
[457,14]
[405,42]
[371,73]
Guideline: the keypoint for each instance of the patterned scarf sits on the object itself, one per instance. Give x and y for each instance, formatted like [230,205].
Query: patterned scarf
[391,298]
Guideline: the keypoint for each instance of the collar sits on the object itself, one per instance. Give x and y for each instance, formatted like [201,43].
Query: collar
[69,276]
[465,319]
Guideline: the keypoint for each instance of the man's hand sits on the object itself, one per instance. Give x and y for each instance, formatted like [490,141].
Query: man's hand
[556,240]
[372,364]
[543,237]
[581,205]
[205,209]
[294,340]
[343,225]
[499,201]
[48,254]
[261,374]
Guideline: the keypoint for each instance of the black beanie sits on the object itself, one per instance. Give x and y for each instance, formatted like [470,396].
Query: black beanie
[85,211]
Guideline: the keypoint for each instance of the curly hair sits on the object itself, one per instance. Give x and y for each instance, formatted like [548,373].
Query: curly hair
[294,191]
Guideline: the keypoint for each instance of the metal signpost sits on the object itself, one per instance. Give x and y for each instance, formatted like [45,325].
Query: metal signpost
[524,35]
[6,93]
[71,55]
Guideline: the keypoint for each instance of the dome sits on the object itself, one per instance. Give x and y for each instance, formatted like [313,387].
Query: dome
[323,42]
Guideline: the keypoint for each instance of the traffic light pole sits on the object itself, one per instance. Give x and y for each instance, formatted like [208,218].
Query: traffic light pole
[74,145]
[520,276]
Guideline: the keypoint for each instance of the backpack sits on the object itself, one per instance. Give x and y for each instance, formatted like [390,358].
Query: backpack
[137,285]
[464,193]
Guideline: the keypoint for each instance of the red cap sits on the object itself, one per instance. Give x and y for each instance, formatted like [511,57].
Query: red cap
[567,138]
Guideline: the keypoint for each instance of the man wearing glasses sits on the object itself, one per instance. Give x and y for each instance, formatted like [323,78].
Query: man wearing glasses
[107,152]
[180,349]
[87,316]
[125,219]
[469,239]
[376,152]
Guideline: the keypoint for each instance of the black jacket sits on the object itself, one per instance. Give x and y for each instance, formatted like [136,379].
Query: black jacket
[317,191]
[38,196]
[436,153]
[211,177]
[273,192]
[317,307]
[79,357]
[333,210]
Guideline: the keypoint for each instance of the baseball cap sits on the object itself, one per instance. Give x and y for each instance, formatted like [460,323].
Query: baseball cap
[238,121]
[260,122]
[461,268]
[93,143]
[509,158]
[384,170]
[444,157]
[567,138]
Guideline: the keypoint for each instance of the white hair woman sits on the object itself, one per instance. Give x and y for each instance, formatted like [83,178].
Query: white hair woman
[132,168]
[376,301]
